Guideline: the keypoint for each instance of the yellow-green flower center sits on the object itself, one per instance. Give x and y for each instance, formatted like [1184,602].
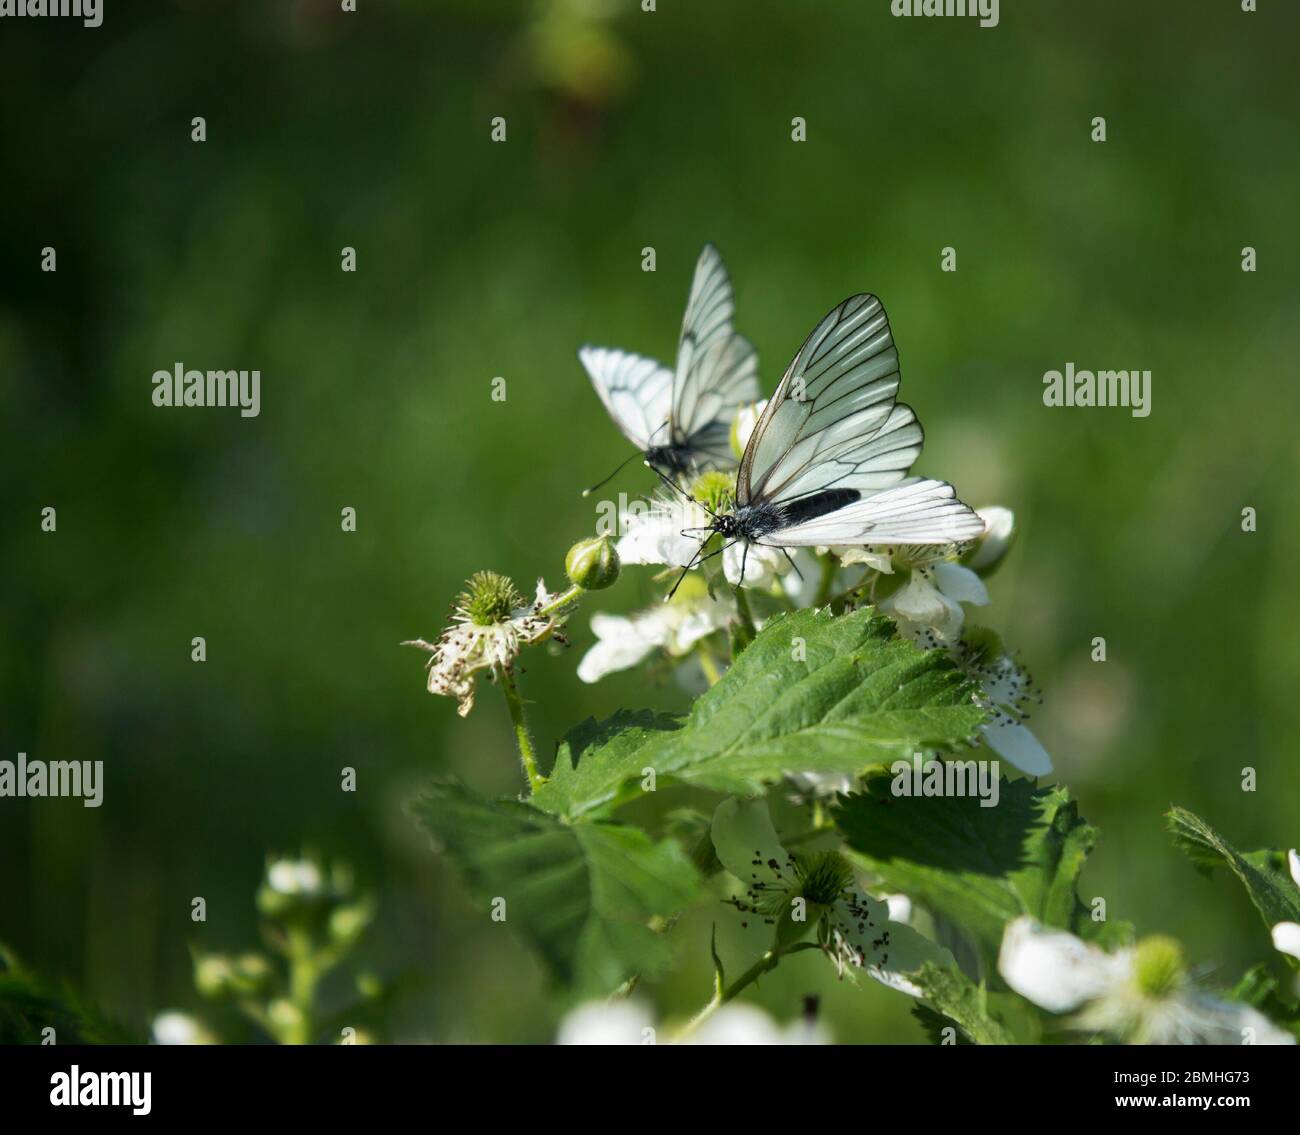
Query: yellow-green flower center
[715,490]
[1158,966]
[823,877]
[489,598]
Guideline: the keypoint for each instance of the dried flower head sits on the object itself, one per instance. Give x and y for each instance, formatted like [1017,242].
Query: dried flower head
[491,624]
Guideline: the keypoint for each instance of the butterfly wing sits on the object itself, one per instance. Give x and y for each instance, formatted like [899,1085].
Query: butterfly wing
[831,452]
[636,391]
[916,511]
[833,421]
[717,370]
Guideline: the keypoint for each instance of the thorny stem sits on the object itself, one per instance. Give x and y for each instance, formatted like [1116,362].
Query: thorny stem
[527,752]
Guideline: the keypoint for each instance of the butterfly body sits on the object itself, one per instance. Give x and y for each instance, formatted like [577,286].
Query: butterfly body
[754,521]
[676,460]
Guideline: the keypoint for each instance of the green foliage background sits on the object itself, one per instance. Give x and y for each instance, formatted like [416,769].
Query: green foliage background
[626,129]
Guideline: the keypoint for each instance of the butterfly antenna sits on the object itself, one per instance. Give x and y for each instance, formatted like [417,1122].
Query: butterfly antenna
[617,471]
[679,490]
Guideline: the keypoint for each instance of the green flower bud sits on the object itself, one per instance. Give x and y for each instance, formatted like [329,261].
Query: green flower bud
[216,975]
[592,564]
[285,1016]
[348,923]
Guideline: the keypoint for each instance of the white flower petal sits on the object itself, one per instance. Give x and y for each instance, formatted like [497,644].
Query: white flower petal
[762,564]
[747,843]
[876,560]
[961,584]
[174,1027]
[655,537]
[1294,861]
[919,603]
[606,1022]
[1014,742]
[999,528]
[1056,970]
[900,908]
[746,419]
[1286,937]
[738,1024]
[1200,1018]
[620,644]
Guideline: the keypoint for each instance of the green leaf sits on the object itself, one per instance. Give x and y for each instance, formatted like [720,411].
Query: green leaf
[817,693]
[1264,874]
[951,998]
[582,895]
[30,1004]
[979,867]
[596,761]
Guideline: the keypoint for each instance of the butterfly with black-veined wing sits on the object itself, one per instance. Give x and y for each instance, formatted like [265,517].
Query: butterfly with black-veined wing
[827,462]
[681,420]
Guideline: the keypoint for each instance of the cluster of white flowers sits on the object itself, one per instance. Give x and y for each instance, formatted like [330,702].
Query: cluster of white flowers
[929,584]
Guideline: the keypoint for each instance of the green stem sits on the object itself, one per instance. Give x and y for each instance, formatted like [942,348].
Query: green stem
[709,665]
[524,739]
[303,976]
[745,633]
[765,964]
[826,582]
[560,601]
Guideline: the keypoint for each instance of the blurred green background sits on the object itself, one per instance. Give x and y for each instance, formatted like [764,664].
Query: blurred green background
[625,130]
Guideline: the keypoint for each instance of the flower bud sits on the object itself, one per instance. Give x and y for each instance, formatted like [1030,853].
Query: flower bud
[216,975]
[592,564]
[743,425]
[989,549]
[348,923]
[291,886]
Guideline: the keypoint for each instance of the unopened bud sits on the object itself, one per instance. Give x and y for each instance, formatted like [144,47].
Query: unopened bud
[989,549]
[592,564]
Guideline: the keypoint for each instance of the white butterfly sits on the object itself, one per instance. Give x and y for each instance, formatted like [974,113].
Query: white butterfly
[681,420]
[827,462]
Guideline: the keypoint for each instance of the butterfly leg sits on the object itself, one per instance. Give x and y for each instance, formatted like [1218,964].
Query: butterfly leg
[696,560]
[786,552]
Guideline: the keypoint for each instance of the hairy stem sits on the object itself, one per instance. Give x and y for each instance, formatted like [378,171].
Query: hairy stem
[515,703]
